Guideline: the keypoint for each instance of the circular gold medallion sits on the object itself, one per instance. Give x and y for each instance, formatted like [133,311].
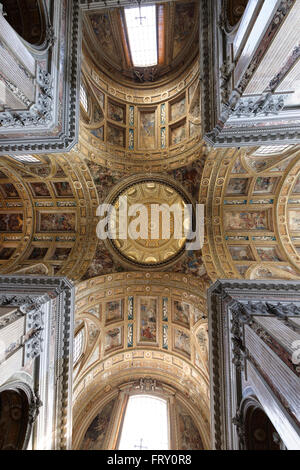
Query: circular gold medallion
[149,223]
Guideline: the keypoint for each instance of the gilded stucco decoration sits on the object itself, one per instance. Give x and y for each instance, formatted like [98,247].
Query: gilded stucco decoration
[185,179]
[47,216]
[147,325]
[252,213]
[106,39]
[133,129]
[152,253]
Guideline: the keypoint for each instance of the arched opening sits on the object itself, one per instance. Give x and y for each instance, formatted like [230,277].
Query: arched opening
[260,434]
[27,18]
[14,418]
[146,424]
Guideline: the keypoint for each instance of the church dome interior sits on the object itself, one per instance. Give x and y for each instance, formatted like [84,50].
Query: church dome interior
[142,323]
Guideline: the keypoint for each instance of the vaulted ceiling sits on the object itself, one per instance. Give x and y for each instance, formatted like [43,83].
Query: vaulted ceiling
[106,40]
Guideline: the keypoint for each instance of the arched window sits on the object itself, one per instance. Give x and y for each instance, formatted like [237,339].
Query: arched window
[83,98]
[78,345]
[25,158]
[146,424]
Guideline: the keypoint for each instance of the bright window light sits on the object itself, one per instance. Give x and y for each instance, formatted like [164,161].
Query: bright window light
[78,346]
[141,27]
[272,149]
[145,424]
[83,98]
[25,158]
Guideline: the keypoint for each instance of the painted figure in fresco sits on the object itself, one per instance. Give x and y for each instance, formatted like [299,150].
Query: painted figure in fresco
[98,133]
[148,320]
[115,136]
[178,109]
[113,339]
[268,254]
[40,189]
[114,311]
[240,253]
[95,435]
[182,312]
[182,341]
[246,221]
[10,190]
[264,184]
[61,254]
[115,112]
[63,188]
[11,222]
[57,222]
[237,186]
[147,131]
[6,253]
[177,135]
[38,253]
[190,438]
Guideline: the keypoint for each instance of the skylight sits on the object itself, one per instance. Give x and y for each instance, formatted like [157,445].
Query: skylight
[145,424]
[25,158]
[141,27]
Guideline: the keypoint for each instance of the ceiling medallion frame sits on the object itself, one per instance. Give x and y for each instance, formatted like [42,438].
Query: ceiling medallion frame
[120,189]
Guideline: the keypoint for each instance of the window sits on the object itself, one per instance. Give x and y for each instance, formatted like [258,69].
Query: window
[25,158]
[78,345]
[272,149]
[145,424]
[83,98]
[142,34]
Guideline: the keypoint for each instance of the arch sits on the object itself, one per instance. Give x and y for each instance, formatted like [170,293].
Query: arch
[19,408]
[172,358]
[259,432]
[28,18]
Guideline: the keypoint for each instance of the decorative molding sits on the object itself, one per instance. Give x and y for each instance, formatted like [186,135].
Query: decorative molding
[230,309]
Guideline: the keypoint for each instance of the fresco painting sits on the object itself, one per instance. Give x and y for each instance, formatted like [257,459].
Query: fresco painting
[9,190]
[181,313]
[294,220]
[98,133]
[115,112]
[115,136]
[63,189]
[6,252]
[268,253]
[96,432]
[184,23]
[177,134]
[257,220]
[114,311]
[189,435]
[11,222]
[182,341]
[147,130]
[237,186]
[40,189]
[177,109]
[241,253]
[148,319]
[265,185]
[50,222]
[38,253]
[113,339]
[61,254]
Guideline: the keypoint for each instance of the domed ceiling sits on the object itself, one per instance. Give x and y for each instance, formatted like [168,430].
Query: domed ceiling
[106,39]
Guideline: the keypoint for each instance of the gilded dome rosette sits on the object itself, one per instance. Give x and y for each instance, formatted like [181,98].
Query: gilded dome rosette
[152,249]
